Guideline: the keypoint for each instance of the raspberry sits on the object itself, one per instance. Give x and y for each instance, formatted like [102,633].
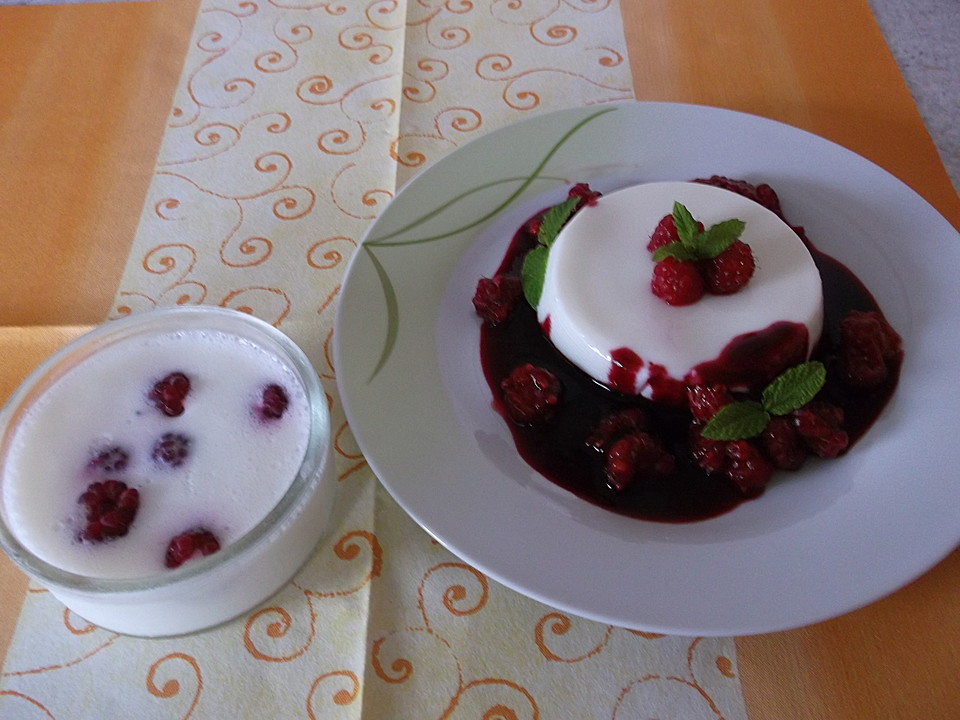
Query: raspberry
[533,224]
[168,394]
[819,424]
[495,298]
[633,456]
[869,349]
[273,402]
[111,508]
[705,400]
[172,449]
[531,394]
[586,195]
[709,455]
[187,544]
[730,270]
[109,460]
[664,234]
[783,444]
[749,469]
[618,423]
[677,282]
[762,194]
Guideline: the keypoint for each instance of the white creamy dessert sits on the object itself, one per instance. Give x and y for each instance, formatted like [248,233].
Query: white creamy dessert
[237,469]
[261,483]
[598,309]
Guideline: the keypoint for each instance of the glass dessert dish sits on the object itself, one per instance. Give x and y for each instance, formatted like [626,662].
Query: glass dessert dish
[222,481]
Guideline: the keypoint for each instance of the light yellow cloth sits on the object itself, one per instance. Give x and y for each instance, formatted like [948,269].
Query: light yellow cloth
[294,123]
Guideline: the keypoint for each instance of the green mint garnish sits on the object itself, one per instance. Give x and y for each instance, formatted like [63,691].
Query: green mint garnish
[790,390]
[534,268]
[794,388]
[678,251]
[532,273]
[684,221]
[719,237]
[554,219]
[697,245]
[737,421]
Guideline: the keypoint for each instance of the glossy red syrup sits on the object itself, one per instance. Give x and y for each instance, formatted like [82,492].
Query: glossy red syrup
[754,359]
[558,450]
[624,368]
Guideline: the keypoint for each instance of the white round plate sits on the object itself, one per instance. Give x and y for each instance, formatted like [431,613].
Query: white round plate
[818,543]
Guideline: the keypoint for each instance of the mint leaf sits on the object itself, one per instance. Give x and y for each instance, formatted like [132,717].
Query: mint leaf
[737,421]
[702,245]
[534,268]
[554,219]
[719,237]
[676,250]
[684,222]
[794,387]
[532,274]
[790,390]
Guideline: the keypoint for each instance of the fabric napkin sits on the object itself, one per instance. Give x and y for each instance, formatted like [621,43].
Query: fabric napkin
[293,125]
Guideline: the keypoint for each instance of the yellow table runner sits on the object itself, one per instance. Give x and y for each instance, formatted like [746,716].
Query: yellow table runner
[293,124]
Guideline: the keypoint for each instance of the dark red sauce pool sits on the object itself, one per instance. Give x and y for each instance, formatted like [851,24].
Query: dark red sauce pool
[558,449]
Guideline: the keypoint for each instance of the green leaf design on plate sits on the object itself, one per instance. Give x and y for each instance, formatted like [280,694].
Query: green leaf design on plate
[393,312]
[385,241]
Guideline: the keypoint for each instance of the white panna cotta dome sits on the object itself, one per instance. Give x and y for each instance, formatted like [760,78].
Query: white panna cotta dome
[599,311]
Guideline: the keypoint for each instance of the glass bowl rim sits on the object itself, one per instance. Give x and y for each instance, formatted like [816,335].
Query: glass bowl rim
[163,320]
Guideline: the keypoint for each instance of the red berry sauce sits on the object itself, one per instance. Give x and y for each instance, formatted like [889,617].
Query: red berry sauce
[564,449]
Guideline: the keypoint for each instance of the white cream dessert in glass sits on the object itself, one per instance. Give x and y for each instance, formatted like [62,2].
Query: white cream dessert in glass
[167,471]
[598,310]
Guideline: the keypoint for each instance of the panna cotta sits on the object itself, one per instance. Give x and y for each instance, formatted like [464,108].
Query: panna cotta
[735,350]
[598,310]
[167,471]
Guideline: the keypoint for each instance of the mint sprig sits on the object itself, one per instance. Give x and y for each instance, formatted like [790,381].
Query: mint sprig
[794,388]
[534,268]
[790,390]
[532,274]
[695,244]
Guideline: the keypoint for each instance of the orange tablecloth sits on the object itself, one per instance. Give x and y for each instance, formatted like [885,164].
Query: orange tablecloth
[74,172]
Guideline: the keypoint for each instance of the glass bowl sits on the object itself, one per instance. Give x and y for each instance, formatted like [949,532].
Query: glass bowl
[268,547]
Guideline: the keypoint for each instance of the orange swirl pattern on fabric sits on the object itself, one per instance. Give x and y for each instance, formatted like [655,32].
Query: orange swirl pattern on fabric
[340,697]
[560,624]
[17,697]
[294,123]
[171,687]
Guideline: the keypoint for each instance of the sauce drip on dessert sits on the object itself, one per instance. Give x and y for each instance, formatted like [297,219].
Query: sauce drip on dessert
[589,429]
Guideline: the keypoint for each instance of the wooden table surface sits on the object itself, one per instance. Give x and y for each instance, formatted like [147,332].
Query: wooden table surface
[75,165]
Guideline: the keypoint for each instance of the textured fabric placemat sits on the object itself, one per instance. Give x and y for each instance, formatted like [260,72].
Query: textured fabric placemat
[293,125]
